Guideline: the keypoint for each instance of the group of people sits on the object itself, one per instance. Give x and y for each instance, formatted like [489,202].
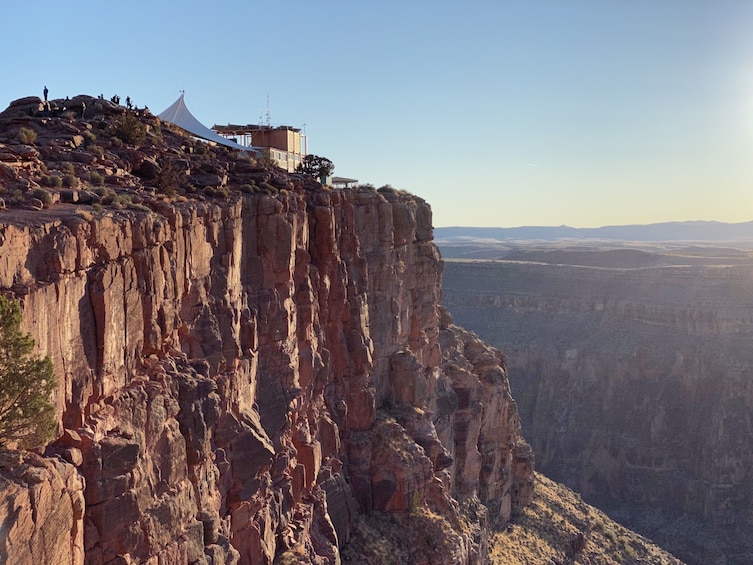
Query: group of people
[48,108]
[115,100]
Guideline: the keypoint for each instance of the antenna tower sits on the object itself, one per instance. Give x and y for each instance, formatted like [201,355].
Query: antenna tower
[269,118]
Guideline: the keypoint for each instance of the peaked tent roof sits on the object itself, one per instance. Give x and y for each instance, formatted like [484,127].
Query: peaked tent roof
[179,115]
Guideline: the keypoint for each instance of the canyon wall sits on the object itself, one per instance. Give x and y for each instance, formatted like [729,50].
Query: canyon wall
[240,379]
[635,388]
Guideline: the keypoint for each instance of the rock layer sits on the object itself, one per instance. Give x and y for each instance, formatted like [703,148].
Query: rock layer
[634,387]
[239,379]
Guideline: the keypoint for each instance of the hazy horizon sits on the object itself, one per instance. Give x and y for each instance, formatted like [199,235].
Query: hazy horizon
[598,226]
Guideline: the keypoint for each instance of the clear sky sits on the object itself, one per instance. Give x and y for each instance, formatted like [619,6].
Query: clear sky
[499,113]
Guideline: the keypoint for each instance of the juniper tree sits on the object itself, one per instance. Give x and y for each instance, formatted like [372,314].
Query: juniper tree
[26,383]
[318,167]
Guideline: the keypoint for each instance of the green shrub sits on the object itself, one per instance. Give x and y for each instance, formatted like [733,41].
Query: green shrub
[43,195]
[217,192]
[67,167]
[96,178]
[268,188]
[121,201]
[97,150]
[70,181]
[107,195]
[90,137]
[169,179]
[52,180]
[140,207]
[13,196]
[27,135]
[26,383]
[129,130]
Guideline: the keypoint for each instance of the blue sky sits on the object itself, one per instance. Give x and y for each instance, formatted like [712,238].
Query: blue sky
[499,113]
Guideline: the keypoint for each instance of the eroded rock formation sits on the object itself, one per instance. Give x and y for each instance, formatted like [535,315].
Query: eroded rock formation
[634,388]
[240,378]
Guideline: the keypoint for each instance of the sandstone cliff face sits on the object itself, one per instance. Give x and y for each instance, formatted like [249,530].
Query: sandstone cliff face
[42,503]
[239,379]
[634,388]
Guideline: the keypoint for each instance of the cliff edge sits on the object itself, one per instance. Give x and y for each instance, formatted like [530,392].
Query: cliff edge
[247,361]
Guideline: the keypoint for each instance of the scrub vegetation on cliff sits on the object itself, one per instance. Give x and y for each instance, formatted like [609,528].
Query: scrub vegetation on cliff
[559,528]
[27,418]
[137,159]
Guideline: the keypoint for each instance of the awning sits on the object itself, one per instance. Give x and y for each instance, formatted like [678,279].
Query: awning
[179,115]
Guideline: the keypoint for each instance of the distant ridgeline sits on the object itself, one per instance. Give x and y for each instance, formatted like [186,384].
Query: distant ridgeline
[668,231]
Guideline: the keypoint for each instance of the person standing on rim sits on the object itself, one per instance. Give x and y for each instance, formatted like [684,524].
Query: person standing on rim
[45,93]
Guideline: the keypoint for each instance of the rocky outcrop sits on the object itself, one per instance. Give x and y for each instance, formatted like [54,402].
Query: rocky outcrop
[239,379]
[634,388]
[41,510]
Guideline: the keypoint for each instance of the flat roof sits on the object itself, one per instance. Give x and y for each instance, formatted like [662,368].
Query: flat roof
[236,129]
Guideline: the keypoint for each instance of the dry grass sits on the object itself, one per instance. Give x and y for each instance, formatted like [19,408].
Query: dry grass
[421,537]
[543,532]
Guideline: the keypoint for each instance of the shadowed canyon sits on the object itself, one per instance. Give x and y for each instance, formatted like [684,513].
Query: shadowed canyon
[632,367]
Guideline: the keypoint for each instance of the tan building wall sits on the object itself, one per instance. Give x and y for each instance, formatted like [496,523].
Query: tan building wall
[286,160]
[284,145]
[285,139]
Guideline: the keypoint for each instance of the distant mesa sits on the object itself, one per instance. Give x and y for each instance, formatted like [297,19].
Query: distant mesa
[667,231]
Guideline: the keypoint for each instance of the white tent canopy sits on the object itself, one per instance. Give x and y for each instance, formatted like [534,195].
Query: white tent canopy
[179,115]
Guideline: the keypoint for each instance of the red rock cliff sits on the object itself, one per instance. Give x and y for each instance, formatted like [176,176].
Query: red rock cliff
[239,380]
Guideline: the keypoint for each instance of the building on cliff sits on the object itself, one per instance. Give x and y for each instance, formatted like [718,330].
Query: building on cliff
[285,145]
[343,182]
